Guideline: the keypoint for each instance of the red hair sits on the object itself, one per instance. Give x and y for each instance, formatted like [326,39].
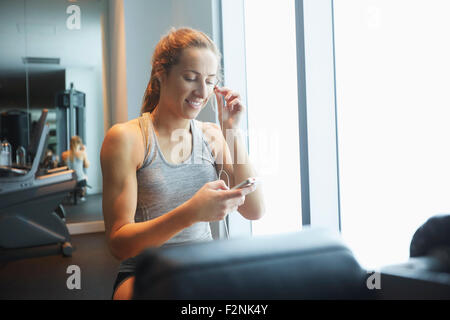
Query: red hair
[75,141]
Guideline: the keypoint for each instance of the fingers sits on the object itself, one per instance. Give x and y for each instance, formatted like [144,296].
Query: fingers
[237,198]
[236,203]
[222,90]
[231,194]
[226,193]
[232,98]
[249,189]
[230,200]
[218,185]
[235,105]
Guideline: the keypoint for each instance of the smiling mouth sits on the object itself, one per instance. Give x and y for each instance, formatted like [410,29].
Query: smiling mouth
[194,104]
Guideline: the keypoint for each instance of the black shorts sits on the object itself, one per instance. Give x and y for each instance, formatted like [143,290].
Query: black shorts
[82,183]
[121,277]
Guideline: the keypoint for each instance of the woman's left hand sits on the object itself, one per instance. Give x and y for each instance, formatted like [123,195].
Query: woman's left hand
[231,113]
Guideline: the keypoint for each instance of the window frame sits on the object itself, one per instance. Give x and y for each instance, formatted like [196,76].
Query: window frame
[317,114]
[234,76]
[319,170]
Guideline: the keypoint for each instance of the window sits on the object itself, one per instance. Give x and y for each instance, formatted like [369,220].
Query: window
[393,115]
[273,111]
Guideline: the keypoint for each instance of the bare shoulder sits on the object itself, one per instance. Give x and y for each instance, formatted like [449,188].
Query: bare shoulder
[214,137]
[65,155]
[209,128]
[123,140]
[118,135]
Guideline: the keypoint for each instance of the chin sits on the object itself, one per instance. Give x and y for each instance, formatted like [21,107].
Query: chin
[191,113]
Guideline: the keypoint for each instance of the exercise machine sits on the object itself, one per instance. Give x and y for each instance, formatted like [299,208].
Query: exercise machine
[30,198]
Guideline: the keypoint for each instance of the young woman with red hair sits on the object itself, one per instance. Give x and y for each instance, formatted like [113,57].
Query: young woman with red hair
[161,171]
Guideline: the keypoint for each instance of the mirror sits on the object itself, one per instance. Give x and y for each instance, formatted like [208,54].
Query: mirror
[52,58]
[13,78]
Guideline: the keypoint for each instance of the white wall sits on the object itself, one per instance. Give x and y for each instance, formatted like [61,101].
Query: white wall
[89,81]
[115,90]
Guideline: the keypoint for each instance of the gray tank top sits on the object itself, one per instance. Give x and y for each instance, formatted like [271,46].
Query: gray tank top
[78,166]
[163,186]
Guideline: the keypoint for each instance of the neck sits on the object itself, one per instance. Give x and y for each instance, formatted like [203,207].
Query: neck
[166,122]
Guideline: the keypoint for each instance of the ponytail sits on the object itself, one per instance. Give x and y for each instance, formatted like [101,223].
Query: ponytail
[151,96]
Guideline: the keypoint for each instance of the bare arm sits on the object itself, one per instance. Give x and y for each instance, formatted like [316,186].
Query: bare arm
[127,238]
[119,161]
[64,157]
[85,161]
[238,169]
[237,163]
[241,169]
[84,156]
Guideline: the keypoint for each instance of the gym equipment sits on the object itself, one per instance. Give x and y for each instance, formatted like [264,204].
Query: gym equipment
[29,198]
[14,124]
[312,264]
[309,264]
[71,117]
[426,274]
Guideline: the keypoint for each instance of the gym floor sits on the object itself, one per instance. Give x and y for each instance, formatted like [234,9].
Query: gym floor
[41,272]
[89,210]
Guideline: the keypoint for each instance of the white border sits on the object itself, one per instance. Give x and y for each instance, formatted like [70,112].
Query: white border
[86,227]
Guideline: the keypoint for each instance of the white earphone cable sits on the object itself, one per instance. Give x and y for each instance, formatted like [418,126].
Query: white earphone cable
[223,171]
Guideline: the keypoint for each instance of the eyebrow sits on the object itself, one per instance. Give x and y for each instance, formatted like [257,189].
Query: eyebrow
[209,75]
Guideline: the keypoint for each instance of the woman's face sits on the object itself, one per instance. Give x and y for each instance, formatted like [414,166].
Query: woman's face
[185,90]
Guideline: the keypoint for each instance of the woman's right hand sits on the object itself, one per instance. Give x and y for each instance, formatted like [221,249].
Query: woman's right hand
[215,200]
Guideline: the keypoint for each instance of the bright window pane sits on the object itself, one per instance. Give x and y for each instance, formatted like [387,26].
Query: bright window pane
[273,111]
[393,109]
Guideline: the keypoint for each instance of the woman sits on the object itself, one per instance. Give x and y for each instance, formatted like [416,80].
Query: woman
[160,171]
[76,159]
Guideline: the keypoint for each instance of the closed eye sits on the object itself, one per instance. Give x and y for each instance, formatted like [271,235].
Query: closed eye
[210,82]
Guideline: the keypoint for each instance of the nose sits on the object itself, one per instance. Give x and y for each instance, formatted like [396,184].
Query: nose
[202,90]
